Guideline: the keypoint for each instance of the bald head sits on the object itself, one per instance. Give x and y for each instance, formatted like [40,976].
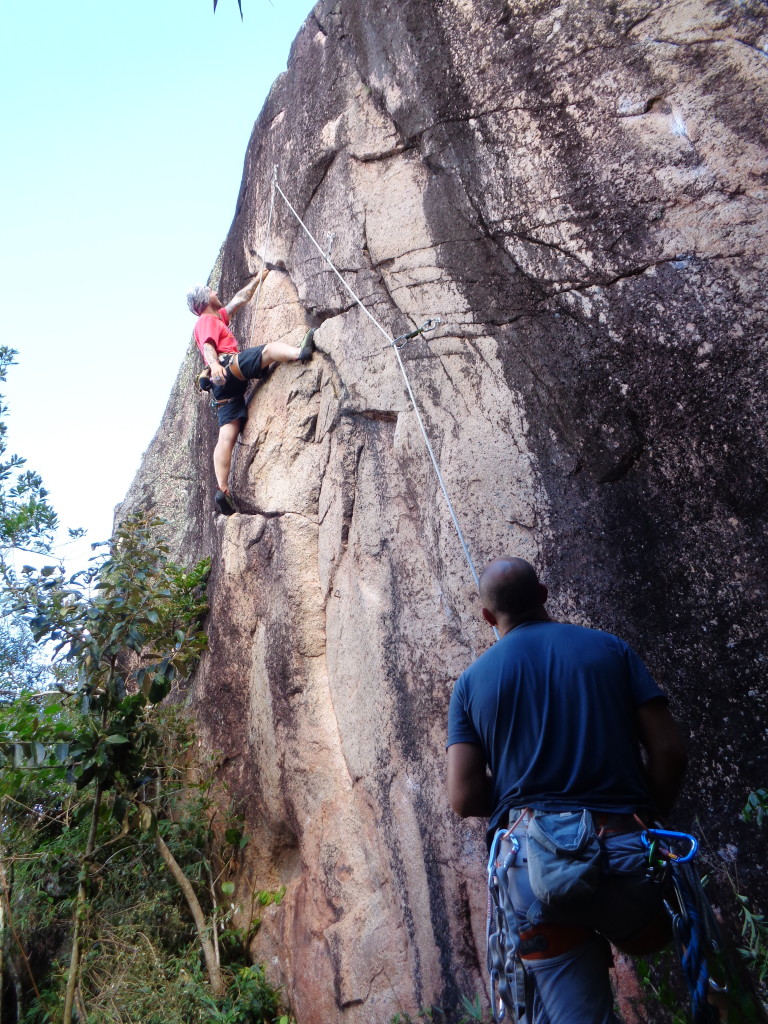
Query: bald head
[510,590]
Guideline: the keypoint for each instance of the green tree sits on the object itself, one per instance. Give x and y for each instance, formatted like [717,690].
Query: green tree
[97,780]
[28,523]
[127,629]
[27,520]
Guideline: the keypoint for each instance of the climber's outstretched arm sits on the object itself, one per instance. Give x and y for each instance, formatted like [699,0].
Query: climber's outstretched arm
[239,299]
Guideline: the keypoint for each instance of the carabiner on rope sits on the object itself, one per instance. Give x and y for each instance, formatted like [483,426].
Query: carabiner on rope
[428,325]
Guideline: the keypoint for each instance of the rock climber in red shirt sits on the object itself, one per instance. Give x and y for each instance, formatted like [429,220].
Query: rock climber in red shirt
[231,370]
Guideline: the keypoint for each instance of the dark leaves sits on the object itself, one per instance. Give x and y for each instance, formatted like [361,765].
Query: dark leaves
[239,7]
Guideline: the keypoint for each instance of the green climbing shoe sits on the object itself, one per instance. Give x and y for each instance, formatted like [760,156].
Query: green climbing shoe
[307,346]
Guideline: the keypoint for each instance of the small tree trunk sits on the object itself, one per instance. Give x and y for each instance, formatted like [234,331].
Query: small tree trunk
[80,903]
[7,928]
[209,953]
[18,988]
[82,1013]
[2,939]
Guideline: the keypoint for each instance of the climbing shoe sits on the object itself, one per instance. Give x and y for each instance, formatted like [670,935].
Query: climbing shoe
[224,504]
[277,265]
[307,346]
[204,380]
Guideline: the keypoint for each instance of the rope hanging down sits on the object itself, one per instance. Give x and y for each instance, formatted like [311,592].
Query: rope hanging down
[393,342]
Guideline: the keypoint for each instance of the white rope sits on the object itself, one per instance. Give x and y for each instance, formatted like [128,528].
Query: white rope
[264,254]
[375,322]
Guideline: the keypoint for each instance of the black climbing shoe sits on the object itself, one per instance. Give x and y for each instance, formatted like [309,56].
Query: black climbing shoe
[277,265]
[307,346]
[223,503]
[204,380]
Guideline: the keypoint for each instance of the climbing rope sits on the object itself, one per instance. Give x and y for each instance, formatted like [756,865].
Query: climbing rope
[396,344]
[265,252]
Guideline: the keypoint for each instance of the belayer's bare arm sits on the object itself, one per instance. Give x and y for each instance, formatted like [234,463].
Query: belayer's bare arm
[666,755]
[239,299]
[469,786]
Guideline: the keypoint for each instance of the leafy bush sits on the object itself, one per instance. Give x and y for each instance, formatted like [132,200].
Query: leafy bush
[115,884]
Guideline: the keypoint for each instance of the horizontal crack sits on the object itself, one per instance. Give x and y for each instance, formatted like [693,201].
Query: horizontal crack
[276,515]
[387,154]
[381,415]
[608,282]
[547,245]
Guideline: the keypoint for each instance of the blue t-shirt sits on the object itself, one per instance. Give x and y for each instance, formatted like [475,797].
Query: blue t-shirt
[553,707]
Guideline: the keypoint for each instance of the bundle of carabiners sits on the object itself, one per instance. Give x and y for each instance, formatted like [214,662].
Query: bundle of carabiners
[695,932]
[509,990]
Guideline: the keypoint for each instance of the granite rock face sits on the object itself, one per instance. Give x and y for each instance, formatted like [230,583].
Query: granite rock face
[578,190]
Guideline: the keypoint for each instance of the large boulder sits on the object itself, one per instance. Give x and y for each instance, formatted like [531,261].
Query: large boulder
[578,191]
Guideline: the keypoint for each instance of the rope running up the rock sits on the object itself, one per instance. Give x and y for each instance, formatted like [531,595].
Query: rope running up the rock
[265,251]
[411,395]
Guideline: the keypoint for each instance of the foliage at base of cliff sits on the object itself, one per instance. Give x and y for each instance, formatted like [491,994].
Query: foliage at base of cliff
[115,858]
[142,959]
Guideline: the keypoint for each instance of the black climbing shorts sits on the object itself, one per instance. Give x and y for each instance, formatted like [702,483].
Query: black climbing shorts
[249,361]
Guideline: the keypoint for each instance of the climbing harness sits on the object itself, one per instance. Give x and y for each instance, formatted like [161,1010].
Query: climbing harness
[696,935]
[396,344]
[228,360]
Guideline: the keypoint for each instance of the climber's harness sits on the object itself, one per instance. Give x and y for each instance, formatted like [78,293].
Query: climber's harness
[230,361]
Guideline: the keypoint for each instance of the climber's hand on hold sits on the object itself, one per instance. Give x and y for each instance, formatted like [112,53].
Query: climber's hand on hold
[245,294]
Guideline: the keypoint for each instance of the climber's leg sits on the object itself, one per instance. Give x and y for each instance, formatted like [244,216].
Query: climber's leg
[222,453]
[280,352]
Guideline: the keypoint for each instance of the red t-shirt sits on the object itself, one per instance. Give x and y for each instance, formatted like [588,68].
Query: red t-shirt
[213,328]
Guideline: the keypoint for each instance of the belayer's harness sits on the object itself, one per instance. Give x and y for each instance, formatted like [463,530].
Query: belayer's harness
[696,935]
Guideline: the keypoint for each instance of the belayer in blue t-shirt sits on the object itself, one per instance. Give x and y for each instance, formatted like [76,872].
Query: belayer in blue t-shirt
[560,715]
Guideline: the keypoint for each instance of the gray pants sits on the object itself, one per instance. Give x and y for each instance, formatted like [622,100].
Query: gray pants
[565,951]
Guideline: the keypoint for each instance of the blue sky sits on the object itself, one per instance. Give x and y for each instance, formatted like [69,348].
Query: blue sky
[125,128]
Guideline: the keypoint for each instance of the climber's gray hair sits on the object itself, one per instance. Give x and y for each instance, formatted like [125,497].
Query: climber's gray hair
[198,298]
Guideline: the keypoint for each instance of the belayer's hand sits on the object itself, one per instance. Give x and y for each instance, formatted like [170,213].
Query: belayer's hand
[218,374]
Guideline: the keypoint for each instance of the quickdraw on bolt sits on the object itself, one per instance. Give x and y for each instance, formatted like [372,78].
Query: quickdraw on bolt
[428,325]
